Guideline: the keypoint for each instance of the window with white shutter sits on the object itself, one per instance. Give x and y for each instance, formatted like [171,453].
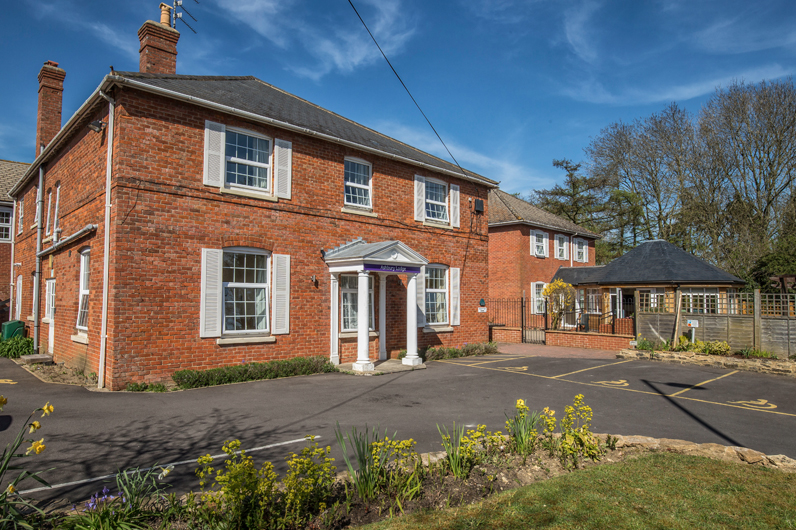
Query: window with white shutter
[83,295]
[562,247]
[454,200]
[436,295]
[538,303]
[581,250]
[420,198]
[357,187]
[456,297]
[281,296]
[539,244]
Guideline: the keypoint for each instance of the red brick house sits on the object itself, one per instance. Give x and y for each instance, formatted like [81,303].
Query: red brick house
[205,221]
[527,245]
[10,173]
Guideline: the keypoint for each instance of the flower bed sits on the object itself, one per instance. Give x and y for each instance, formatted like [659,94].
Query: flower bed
[762,365]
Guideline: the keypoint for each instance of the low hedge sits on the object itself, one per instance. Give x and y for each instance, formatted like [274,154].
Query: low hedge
[252,372]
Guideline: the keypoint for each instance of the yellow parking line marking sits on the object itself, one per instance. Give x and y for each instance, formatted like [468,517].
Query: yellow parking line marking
[593,368]
[636,391]
[613,384]
[758,404]
[702,383]
[7,382]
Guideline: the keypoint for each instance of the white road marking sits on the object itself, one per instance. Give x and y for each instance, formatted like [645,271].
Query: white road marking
[181,463]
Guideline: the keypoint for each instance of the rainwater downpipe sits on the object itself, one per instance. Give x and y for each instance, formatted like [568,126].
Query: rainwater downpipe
[37,275]
[106,259]
[11,299]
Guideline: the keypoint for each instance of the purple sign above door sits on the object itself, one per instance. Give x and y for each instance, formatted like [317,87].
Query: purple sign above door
[398,269]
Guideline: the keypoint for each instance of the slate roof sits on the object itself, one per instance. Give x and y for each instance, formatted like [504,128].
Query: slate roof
[10,173]
[652,262]
[252,95]
[505,208]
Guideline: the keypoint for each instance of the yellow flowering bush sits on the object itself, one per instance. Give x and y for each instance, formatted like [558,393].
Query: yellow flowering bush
[577,441]
[560,296]
[307,485]
[521,427]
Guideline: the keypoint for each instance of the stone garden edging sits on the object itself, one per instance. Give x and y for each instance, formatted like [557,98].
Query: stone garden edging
[766,366]
[742,455]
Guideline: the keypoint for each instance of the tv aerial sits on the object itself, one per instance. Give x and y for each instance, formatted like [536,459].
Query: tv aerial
[177,15]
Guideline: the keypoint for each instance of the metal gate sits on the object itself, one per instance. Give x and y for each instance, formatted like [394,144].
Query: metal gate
[519,314]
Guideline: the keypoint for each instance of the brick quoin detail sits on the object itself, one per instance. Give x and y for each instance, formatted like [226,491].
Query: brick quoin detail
[587,340]
[513,269]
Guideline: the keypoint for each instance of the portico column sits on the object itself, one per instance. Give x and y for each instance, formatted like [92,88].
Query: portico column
[363,363]
[334,357]
[412,358]
[382,317]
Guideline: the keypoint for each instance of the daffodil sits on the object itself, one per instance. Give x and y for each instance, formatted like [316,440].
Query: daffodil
[35,426]
[47,408]
[164,471]
[3,402]
[36,447]
[10,489]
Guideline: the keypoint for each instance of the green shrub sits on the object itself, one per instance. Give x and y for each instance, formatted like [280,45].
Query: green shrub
[468,350]
[252,372]
[16,347]
[522,429]
[717,347]
[757,354]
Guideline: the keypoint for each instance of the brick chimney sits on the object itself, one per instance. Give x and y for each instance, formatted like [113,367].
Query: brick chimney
[51,91]
[158,52]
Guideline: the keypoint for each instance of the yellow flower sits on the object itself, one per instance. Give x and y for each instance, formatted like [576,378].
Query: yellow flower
[11,489]
[36,447]
[47,408]
[520,402]
[35,426]
[164,471]
[3,402]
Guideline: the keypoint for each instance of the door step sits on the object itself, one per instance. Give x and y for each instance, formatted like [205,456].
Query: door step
[40,358]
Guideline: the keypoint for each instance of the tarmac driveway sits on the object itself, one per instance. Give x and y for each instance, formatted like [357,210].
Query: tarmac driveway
[93,434]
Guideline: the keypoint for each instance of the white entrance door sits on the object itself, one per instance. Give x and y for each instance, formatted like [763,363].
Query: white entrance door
[49,312]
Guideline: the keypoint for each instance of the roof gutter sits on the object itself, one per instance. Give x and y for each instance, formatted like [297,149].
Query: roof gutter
[549,227]
[283,125]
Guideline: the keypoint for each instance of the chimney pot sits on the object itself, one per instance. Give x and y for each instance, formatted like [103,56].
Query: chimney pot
[51,91]
[165,14]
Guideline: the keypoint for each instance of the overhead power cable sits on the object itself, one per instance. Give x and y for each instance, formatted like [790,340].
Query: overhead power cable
[405,87]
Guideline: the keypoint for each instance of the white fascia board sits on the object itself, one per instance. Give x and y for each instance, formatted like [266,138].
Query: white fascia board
[547,227]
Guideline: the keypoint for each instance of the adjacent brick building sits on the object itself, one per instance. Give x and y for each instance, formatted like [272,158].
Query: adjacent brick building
[10,173]
[527,245]
[194,221]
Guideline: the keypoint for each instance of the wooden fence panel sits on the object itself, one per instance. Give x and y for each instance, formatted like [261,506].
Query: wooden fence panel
[655,326]
[776,337]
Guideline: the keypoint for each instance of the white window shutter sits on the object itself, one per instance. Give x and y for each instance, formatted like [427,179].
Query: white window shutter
[420,198]
[454,206]
[585,251]
[215,158]
[283,168]
[455,296]
[281,290]
[210,309]
[546,245]
[421,298]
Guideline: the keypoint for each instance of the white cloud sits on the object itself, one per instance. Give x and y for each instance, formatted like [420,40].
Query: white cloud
[503,11]
[734,36]
[578,31]
[595,92]
[343,46]
[69,15]
[512,176]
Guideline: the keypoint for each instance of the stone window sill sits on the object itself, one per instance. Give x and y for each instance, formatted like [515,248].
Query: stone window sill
[260,339]
[354,334]
[45,320]
[81,338]
[432,224]
[31,318]
[250,194]
[438,329]
[357,211]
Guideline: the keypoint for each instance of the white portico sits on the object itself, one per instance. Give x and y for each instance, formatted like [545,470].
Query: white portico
[382,259]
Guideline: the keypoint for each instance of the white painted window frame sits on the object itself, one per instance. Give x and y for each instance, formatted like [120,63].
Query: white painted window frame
[562,244]
[446,219]
[355,291]
[49,211]
[267,286]
[593,297]
[49,298]
[55,215]
[535,234]
[269,166]
[21,220]
[446,290]
[10,224]
[537,307]
[84,290]
[36,207]
[585,259]
[369,187]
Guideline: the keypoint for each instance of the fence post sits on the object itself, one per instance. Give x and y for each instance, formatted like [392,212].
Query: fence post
[758,324]
[636,307]
[613,322]
[545,314]
[522,317]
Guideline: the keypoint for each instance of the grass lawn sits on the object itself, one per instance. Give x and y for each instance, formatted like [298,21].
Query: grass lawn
[659,491]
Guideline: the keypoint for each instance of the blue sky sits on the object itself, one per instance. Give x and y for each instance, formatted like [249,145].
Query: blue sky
[509,84]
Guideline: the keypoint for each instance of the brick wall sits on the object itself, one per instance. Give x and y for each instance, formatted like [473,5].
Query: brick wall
[513,269]
[511,335]
[163,216]
[587,340]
